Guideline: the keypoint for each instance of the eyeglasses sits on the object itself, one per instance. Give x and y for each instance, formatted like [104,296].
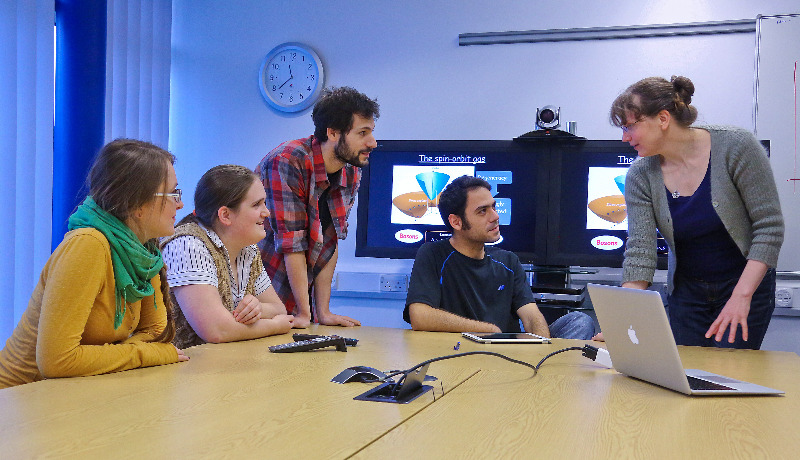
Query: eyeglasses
[627,128]
[176,194]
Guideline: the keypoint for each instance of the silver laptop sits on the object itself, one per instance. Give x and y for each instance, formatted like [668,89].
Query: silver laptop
[641,344]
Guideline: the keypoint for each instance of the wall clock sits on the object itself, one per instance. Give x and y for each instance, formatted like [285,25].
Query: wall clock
[291,77]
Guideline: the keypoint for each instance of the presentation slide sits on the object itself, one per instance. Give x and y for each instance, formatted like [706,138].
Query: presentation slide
[605,203]
[416,190]
[404,185]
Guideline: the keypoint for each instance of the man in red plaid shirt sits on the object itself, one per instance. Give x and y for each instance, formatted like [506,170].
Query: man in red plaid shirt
[311,186]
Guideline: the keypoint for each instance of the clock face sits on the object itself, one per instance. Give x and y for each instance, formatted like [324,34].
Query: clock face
[291,77]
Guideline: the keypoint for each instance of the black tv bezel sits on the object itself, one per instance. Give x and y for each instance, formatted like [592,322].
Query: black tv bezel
[547,228]
[537,256]
[559,254]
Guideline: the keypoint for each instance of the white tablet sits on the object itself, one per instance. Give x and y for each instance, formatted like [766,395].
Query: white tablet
[505,337]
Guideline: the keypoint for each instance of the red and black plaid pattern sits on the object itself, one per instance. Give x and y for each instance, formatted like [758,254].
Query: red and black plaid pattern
[294,177]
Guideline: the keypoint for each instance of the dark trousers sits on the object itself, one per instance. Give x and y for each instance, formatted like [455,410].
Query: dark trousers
[695,304]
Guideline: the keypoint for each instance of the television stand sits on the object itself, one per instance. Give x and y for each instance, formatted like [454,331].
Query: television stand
[551,287]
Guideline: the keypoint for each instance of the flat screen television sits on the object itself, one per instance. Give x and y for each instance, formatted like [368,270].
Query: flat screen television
[397,200]
[588,221]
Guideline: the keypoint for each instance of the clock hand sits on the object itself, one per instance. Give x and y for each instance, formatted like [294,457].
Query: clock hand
[287,81]
[290,77]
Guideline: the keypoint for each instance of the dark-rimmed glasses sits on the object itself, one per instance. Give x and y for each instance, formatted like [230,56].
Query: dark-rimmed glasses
[627,128]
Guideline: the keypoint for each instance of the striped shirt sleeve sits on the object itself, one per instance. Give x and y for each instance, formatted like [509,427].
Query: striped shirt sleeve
[189,262]
[263,282]
[245,263]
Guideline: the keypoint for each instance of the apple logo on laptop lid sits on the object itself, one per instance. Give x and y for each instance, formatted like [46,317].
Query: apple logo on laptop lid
[632,335]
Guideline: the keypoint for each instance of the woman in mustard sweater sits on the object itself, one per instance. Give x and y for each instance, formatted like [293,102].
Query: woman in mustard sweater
[99,305]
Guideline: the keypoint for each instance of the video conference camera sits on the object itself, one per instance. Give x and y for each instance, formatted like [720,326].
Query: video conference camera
[547,117]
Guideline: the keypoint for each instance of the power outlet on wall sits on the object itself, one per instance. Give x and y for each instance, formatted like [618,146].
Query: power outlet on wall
[394,283]
[784,297]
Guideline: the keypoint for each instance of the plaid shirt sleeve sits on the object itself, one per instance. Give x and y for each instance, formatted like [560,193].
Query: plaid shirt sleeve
[284,177]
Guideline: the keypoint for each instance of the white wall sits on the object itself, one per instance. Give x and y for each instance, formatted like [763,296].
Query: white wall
[407,55]
[776,120]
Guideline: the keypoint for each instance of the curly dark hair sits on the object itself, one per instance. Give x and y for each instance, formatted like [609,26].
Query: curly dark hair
[335,110]
[649,96]
[453,199]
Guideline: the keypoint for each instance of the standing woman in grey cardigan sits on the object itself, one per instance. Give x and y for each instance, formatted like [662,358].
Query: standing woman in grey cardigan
[710,192]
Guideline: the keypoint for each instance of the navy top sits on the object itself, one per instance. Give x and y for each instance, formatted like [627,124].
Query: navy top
[703,248]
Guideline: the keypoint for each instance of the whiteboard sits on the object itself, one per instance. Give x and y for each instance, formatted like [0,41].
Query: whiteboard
[776,118]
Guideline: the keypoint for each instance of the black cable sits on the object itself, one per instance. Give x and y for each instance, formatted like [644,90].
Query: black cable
[535,368]
[457,355]
[555,353]
[390,374]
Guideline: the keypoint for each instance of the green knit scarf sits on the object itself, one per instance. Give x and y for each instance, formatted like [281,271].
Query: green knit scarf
[134,263]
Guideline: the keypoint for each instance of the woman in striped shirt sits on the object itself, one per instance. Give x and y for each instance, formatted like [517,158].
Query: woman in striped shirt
[218,281]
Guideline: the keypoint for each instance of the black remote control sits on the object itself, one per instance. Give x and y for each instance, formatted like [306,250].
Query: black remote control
[310,344]
[348,341]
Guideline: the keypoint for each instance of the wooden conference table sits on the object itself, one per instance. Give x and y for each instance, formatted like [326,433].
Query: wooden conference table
[238,400]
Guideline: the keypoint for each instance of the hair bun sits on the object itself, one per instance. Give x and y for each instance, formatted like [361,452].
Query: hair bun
[684,88]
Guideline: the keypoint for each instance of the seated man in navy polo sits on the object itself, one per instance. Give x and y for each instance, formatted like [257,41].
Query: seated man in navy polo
[462,285]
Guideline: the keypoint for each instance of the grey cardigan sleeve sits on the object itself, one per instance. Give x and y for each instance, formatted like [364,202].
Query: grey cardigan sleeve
[640,249]
[743,193]
[751,174]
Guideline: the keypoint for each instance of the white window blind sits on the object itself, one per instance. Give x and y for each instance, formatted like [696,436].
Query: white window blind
[26,150]
[138,53]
